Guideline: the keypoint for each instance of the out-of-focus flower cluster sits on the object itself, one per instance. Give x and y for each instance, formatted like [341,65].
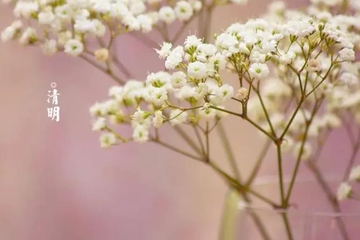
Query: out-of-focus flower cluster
[346,190]
[65,25]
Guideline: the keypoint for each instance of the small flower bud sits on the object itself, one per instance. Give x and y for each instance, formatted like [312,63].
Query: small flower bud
[102,55]
[242,94]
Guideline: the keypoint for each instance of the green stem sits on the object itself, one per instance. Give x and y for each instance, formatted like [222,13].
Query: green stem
[166,145]
[280,173]
[258,163]
[230,154]
[287,225]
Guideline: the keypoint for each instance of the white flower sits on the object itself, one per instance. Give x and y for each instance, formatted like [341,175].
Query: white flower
[73,47]
[141,134]
[183,10]
[95,110]
[165,50]
[347,54]
[28,36]
[158,79]
[287,58]
[137,7]
[158,96]
[192,41]
[93,26]
[175,58]
[355,174]
[344,191]
[140,118]
[103,7]
[107,139]
[209,113]
[197,70]
[99,124]
[196,5]
[49,47]
[226,43]
[25,8]
[177,116]
[178,79]
[167,14]
[221,94]
[158,119]
[227,91]
[131,22]
[145,23]
[46,17]
[259,70]
[8,34]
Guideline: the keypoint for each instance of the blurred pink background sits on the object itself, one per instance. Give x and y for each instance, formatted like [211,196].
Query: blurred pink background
[57,183]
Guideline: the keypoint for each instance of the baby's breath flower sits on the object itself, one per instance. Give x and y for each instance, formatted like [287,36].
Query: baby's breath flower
[141,134]
[99,124]
[259,70]
[107,139]
[287,58]
[174,58]
[344,191]
[178,79]
[192,41]
[183,10]
[140,117]
[197,70]
[167,14]
[207,114]
[165,50]
[46,18]
[8,34]
[74,47]
[355,174]
[158,119]
[28,36]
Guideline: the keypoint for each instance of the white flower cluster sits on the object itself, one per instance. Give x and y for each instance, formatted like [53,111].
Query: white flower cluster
[64,24]
[195,83]
[311,59]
